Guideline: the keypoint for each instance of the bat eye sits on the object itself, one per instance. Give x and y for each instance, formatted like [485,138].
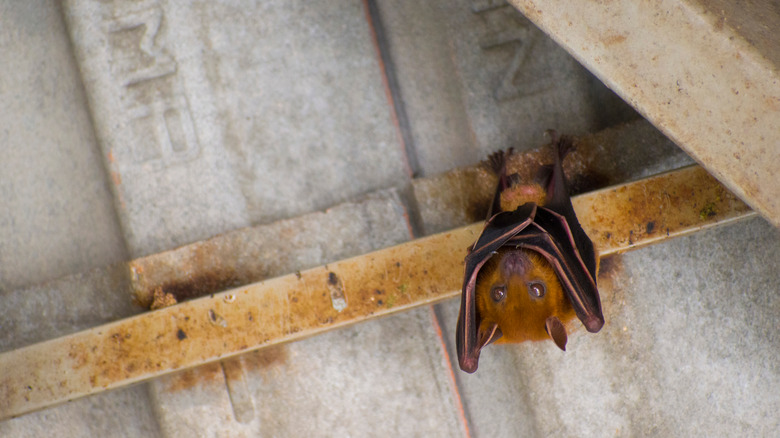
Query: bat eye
[498,293]
[537,289]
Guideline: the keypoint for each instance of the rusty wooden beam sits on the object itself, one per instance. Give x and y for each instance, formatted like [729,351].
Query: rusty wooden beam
[304,304]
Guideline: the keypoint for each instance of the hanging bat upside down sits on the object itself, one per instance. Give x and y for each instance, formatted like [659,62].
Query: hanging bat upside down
[531,270]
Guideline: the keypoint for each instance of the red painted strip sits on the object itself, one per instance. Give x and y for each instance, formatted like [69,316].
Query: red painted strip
[388,93]
[453,382]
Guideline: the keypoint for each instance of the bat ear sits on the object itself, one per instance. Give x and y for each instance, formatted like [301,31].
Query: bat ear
[489,334]
[557,332]
[497,161]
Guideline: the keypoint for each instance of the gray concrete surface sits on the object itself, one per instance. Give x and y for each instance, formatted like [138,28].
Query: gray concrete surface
[66,305]
[124,413]
[385,378]
[214,116]
[57,216]
[476,76]
[164,152]
[300,98]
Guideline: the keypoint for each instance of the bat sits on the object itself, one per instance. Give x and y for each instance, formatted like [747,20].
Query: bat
[531,270]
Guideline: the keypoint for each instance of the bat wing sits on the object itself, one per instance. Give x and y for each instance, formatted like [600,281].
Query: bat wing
[499,229]
[551,236]
[559,201]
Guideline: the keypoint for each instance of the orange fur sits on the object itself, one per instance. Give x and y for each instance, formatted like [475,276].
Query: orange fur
[517,195]
[519,316]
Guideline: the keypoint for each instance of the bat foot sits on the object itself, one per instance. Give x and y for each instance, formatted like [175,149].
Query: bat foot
[514,179]
[563,144]
[497,161]
[553,135]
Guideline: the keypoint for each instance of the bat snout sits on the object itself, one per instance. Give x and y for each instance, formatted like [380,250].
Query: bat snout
[515,263]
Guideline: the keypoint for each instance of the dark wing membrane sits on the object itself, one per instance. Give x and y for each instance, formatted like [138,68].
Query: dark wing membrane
[559,201]
[498,230]
[468,325]
[577,282]
[501,227]
[573,233]
[566,234]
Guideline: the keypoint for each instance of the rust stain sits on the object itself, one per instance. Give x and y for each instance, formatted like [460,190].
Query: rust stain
[612,39]
[223,262]
[9,388]
[475,188]
[720,23]
[670,204]
[200,285]
[148,345]
[611,269]
[152,343]
[162,299]
[77,353]
[234,368]
[267,358]
[772,103]
[196,377]
[185,273]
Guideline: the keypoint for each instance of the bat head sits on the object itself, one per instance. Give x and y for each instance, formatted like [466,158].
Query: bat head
[517,294]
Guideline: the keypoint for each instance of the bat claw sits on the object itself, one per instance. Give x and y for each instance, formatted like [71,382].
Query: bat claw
[497,161]
[593,323]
